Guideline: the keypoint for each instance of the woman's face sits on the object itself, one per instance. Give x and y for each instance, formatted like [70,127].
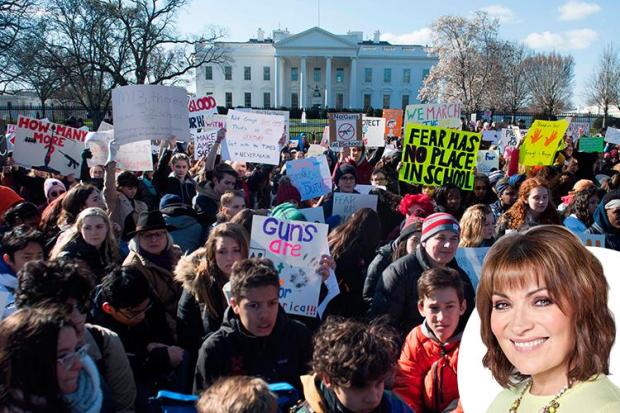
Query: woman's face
[413,242]
[94,230]
[94,200]
[593,203]
[346,183]
[453,199]
[180,168]
[538,199]
[508,197]
[488,228]
[534,334]
[480,189]
[227,252]
[236,205]
[356,153]
[154,241]
[68,364]
[442,246]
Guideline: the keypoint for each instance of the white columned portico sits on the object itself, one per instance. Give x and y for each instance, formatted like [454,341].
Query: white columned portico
[302,83]
[276,78]
[353,83]
[328,82]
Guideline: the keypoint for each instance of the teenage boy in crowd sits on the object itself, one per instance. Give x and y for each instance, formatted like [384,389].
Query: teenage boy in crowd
[20,245]
[256,337]
[426,374]
[172,174]
[207,202]
[351,363]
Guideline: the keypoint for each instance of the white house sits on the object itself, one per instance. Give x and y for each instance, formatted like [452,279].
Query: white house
[316,68]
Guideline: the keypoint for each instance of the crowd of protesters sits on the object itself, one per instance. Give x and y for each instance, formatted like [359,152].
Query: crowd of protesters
[112,283]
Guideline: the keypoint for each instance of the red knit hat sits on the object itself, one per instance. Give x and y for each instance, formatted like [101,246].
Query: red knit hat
[8,198]
[287,192]
[438,222]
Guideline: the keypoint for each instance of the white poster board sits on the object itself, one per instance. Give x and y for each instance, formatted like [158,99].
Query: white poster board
[316,214]
[48,146]
[492,136]
[373,130]
[199,108]
[315,150]
[295,247]
[510,137]
[486,161]
[135,156]
[203,143]
[445,115]
[310,176]
[145,112]
[345,130]
[253,137]
[346,204]
[612,135]
[284,113]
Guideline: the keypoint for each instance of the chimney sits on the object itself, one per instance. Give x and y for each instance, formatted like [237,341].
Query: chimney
[260,35]
[377,37]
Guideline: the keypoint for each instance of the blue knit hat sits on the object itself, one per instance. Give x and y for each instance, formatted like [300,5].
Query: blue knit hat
[289,212]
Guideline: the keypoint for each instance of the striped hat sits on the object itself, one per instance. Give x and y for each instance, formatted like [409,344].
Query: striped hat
[437,222]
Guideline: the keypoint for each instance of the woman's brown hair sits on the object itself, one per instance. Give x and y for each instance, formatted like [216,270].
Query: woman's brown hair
[552,256]
[472,225]
[362,231]
[517,214]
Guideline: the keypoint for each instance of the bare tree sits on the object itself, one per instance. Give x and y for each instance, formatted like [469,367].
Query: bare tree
[603,87]
[550,81]
[14,21]
[516,93]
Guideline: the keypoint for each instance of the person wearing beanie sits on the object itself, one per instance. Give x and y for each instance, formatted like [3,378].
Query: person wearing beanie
[495,176]
[189,234]
[345,178]
[289,212]
[607,220]
[287,192]
[8,199]
[23,213]
[396,292]
[53,188]
[506,197]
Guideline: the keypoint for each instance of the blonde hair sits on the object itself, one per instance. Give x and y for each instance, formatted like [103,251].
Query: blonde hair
[472,224]
[238,394]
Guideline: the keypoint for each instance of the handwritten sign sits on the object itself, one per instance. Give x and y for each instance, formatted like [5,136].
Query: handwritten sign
[253,137]
[446,115]
[145,112]
[612,135]
[347,204]
[510,137]
[372,131]
[284,113]
[436,156]
[487,161]
[198,108]
[393,122]
[594,144]
[135,156]
[310,176]
[345,130]
[295,247]
[48,146]
[492,136]
[203,143]
[541,142]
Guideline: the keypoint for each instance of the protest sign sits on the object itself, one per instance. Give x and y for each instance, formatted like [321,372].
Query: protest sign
[446,115]
[578,129]
[510,137]
[437,156]
[198,108]
[4,151]
[284,113]
[393,122]
[364,189]
[372,131]
[135,156]
[345,130]
[203,143]
[48,146]
[310,176]
[10,136]
[612,135]
[145,112]
[470,260]
[594,144]
[295,247]
[541,142]
[492,136]
[316,214]
[487,161]
[346,204]
[592,240]
[253,137]
[315,150]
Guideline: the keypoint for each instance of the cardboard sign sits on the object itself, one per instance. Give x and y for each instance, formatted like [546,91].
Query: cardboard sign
[316,214]
[345,130]
[284,113]
[48,146]
[253,137]
[541,142]
[145,112]
[492,136]
[445,115]
[470,260]
[612,135]
[203,143]
[592,240]
[346,204]
[393,122]
[310,176]
[510,137]
[295,247]
[437,156]
[198,108]
[594,144]
[372,131]
[487,161]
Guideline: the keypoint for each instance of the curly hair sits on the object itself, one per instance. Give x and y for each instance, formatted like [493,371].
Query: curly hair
[516,216]
[238,394]
[580,205]
[424,201]
[353,353]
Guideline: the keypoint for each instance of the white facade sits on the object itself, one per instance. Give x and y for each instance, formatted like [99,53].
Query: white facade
[316,68]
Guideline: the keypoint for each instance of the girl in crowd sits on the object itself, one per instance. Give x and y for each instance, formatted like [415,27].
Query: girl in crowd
[231,202]
[41,367]
[172,175]
[91,239]
[534,207]
[76,199]
[358,159]
[477,227]
[580,210]
[546,324]
[448,199]
[507,196]
[482,193]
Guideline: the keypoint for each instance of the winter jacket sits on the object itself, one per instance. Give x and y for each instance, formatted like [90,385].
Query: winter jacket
[206,204]
[603,226]
[282,356]
[95,259]
[396,293]
[381,261]
[427,371]
[320,399]
[189,235]
[106,349]
[166,183]
[365,166]
[119,206]
[8,285]
[574,224]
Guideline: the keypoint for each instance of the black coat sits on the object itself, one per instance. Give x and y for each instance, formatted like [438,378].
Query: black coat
[282,356]
[375,270]
[194,324]
[166,183]
[94,258]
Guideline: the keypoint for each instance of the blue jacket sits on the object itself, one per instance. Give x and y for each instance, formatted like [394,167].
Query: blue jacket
[189,234]
[8,284]
[603,226]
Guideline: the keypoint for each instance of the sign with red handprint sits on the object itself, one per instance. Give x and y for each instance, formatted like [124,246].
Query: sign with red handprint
[542,141]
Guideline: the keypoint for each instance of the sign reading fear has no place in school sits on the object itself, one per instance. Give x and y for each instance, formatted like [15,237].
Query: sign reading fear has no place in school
[437,156]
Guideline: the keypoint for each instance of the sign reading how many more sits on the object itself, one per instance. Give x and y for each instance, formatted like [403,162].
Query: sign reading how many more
[295,247]
[310,176]
[253,137]
[345,130]
[346,205]
[446,115]
[437,156]
[48,146]
[541,142]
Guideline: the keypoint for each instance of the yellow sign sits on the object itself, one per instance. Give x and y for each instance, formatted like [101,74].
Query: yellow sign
[542,141]
[437,156]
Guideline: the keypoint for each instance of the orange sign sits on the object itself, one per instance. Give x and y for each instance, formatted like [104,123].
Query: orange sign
[393,122]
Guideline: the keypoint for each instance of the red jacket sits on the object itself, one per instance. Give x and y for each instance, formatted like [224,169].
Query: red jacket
[426,374]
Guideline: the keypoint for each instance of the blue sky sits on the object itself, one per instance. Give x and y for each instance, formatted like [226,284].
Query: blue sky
[579,28]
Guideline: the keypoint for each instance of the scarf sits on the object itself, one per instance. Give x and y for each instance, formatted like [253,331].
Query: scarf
[163,260]
[88,397]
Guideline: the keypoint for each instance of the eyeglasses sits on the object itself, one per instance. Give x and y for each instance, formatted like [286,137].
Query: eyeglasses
[131,314]
[153,235]
[68,360]
[347,178]
[57,193]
